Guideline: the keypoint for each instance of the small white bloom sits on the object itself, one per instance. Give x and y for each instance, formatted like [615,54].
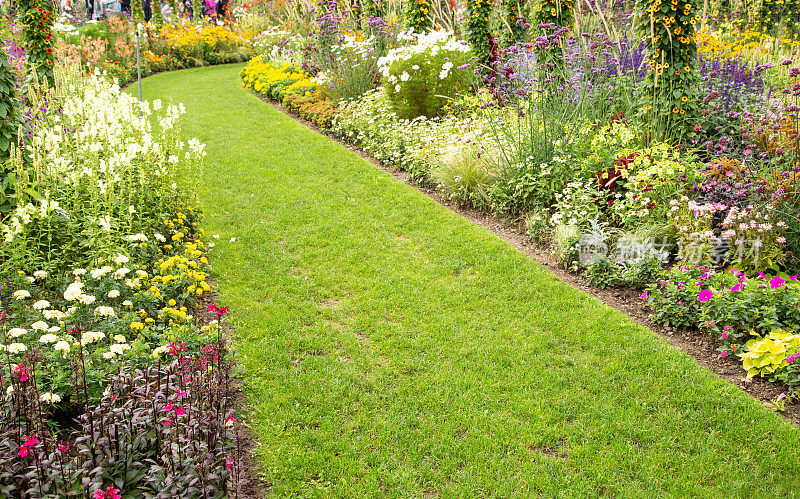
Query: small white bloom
[53,329]
[86,299]
[74,291]
[50,398]
[233,240]
[16,348]
[41,305]
[63,347]
[79,272]
[21,294]
[119,348]
[104,311]
[127,303]
[121,273]
[121,259]
[40,274]
[113,293]
[120,339]
[40,326]
[16,332]
[48,338]
[109,355]
[159,237]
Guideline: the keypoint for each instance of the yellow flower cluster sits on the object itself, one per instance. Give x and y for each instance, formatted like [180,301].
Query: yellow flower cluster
[211,35]
[263,77]
[730,43]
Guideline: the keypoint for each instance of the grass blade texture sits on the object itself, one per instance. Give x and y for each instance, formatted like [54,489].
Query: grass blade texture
[390,347]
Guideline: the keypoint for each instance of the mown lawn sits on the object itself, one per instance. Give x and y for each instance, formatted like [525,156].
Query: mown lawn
[390,347]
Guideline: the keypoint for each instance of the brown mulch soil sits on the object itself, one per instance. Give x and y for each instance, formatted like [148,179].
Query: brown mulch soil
[691,341]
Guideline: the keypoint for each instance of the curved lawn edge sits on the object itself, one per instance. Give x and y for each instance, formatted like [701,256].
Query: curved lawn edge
[388,345]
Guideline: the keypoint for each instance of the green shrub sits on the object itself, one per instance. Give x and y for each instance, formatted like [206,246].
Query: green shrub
[421,78]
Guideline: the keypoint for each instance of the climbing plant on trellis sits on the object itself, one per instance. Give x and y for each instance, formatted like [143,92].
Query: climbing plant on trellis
[418,15]
[37,18]
[668,27]
[477,29]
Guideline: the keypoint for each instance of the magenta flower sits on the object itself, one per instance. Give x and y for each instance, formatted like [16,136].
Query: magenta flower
[792,357]
[30,443]
[761,275]
[776,282]
[643,296]
[705,295]
[180,410]
[794,277]
[737,287]
[724,353]
[229,463]
[736,272]
[724,335]
[110,493]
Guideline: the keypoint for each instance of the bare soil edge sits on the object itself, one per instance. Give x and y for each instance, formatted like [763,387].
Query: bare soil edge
[626,300]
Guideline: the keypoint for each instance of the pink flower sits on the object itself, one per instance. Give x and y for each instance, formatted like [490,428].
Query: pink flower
[63,447]
[30,443]
[220,311]
[643,296]
[168,407]
[180,411]
[724,353]
[794,277]
[110,493]
[761,275]
[180,394]
[21,372]
[737,287]
[229,463]
[776,282]
[736,272]
[229,421]
[792,357]
[705,295]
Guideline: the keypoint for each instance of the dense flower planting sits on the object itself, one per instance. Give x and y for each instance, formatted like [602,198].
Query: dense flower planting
[110,386]
[647,146]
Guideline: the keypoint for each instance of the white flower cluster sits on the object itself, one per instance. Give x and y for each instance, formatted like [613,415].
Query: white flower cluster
[430,43]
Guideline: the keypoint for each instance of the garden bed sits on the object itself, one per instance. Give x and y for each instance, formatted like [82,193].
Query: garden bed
[693,342]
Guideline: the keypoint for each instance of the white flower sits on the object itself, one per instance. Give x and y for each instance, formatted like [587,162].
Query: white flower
[121,259]
[16,348]
[79,272]
[40,274]
[113,293]
[121,272]
[10,390]
[21,294]
[63,347]
[91,336]
[136,238]
[41,305]
[127,303]
[159,350]
[120,339]
[233,240]
[48,338]
[119,348]
[215,236]
[16,332]
[74,291]
[86,299]
[50,398]
[54,329]
[104,311]
[101,272]
[159,237]
[30,279]
[109,355]
[53,314]
[39,326]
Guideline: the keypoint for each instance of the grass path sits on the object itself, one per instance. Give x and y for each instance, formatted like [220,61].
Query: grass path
[390,347]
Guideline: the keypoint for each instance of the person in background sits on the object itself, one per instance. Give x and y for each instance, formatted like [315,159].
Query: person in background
[222,8]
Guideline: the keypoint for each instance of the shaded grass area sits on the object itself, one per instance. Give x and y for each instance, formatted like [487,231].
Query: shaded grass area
[389,346]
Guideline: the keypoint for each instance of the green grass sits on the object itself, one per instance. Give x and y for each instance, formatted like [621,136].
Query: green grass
[390,347]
